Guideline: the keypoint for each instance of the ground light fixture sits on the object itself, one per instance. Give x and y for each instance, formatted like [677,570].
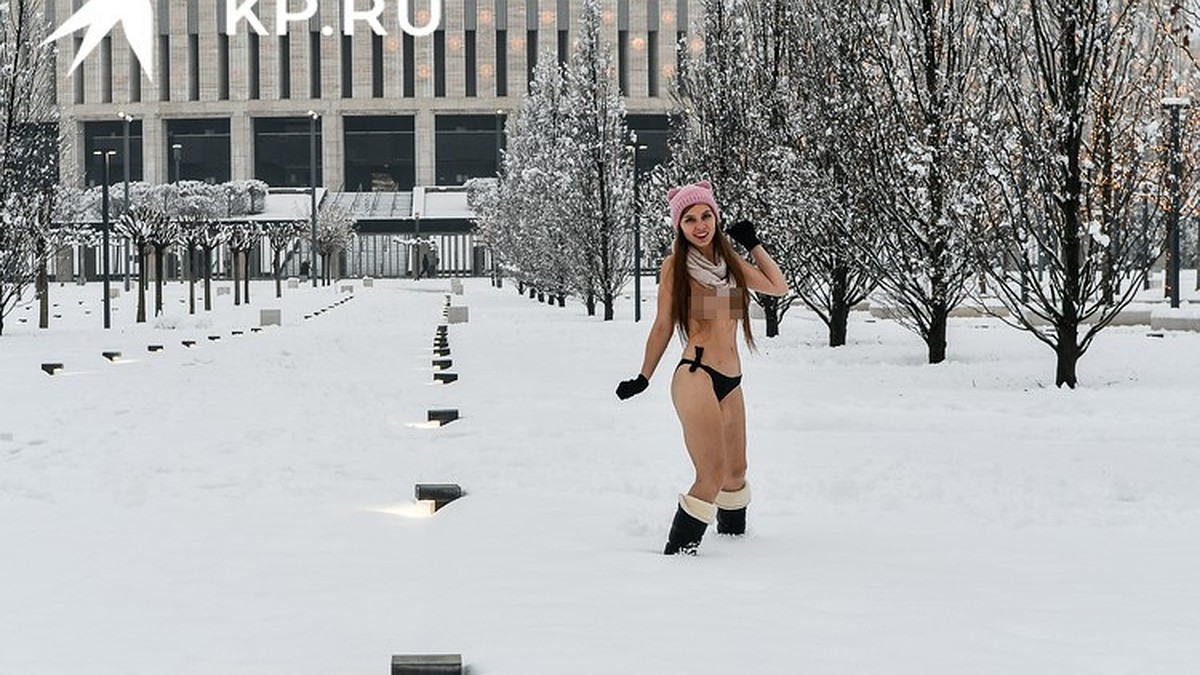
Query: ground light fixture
[111,356]
[440,494]
[52,368]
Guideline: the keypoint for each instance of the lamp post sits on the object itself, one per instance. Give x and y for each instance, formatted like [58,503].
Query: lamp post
[125,159]
[313,116]
[633,146]
[1175,106]
[105,157]
[177,154]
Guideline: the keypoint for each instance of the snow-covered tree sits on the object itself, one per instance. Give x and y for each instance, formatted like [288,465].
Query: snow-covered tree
[242,237]
[599,193]
[1065,170]
[336,227]
[28,150]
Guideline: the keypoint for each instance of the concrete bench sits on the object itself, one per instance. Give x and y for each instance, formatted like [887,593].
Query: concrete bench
[368,282]
[457,314]
[293,282]
[427,664]
[1169,320]
[456,287]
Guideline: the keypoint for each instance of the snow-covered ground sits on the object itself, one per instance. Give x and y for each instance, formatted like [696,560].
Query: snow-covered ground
[245,507]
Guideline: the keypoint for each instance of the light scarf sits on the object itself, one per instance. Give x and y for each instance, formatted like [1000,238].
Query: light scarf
[714,275]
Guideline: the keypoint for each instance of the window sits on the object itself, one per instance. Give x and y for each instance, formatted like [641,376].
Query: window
[472,85]
[439,63]
[281,151]
[347,66]
[254,61]
[111,136]
[410,66]
[135,78]
[193,67]
[376,66]
[205,149]
[285,66]
[314,64]
[531,57]
[222,66]
[164,67]
[501,63]
[380,153]
[623,62]
[652,64]
[106,70]
[468,146]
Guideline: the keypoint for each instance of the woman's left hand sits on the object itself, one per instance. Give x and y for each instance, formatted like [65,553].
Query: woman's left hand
[743,233]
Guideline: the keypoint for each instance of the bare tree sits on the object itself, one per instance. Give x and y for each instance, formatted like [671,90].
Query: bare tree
[1049,214]
[929,109]
[282,238]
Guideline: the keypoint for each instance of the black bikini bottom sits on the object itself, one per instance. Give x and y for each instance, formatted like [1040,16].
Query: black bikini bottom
[722,384]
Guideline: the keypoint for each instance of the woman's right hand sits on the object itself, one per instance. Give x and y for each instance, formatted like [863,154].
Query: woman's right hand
[632,387]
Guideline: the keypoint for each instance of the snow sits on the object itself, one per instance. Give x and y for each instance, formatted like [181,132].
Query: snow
[235,508]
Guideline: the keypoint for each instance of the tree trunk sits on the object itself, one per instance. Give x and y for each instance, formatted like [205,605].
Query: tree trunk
[589,301]
[771,310]
[541,296]
[839,312]
[562,301]
[159,257]
[532,292]
[936,340]
[246,275]
[207,279]
[609,302]
[143,263]
[236,268]
[520,288]
[43,288]
[275,265]
[191,255]
[839,319]
[1068,353]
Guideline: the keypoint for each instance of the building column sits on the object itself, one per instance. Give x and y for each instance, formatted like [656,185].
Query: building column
[241,154]
[333,151]
[426,135]
[156,156]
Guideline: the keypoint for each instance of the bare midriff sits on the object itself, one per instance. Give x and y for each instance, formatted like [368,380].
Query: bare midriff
[713,325]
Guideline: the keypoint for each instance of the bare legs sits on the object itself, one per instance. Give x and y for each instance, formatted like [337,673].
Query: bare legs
[715,433]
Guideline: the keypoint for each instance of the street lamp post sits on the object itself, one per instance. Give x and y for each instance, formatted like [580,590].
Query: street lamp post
[1175,106]
[633,146]
[105,157]
[177,154]
[497,280]
[313,116]
[125,159]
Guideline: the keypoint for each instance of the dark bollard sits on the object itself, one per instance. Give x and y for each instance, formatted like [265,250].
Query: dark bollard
[427,664]
[445,378]
[441,351]
[214,338]
[52,368]
[442,363]
[154,348]
[189,343]
[111,356]
[238,332]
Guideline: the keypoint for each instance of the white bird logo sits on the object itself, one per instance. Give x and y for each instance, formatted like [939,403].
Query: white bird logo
[101,16]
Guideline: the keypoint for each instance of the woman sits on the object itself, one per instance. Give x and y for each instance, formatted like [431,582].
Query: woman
[704,292]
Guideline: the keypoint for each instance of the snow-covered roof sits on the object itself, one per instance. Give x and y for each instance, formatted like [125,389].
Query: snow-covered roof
[431,203]
[287,205]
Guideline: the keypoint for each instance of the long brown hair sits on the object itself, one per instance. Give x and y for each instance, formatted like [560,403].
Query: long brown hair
[681,290]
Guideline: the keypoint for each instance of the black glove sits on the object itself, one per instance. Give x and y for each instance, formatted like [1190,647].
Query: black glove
[632,387]
[743,233]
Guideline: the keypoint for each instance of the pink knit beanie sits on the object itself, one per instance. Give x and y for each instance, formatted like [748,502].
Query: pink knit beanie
[685,196]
